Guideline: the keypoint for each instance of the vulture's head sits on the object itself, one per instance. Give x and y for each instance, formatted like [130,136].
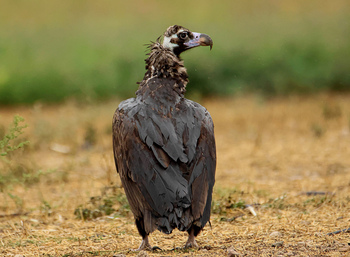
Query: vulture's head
[179,39]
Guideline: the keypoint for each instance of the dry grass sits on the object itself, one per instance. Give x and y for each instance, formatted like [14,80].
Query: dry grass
[270,153]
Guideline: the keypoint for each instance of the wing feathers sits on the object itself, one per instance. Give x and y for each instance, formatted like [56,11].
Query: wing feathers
[166,163]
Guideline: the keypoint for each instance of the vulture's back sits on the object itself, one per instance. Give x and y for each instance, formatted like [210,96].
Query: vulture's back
[165,155]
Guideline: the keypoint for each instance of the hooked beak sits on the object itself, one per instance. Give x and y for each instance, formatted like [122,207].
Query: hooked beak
[199,40]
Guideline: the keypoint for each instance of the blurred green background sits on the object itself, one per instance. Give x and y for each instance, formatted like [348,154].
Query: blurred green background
[93,50]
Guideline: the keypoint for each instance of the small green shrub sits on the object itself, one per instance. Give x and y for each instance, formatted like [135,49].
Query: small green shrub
[331,112]
[318,130]
[9,143]
[112,201]
[17,200]
[90,137]
[317,201]
[225,199]
[277,203]
[16,170]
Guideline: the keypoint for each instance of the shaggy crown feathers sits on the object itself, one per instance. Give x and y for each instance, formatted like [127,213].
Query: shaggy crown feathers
[173,30]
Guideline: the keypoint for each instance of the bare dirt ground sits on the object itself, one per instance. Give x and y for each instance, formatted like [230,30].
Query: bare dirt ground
[289,158]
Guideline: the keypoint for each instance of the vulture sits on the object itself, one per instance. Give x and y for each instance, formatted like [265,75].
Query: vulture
[164,145]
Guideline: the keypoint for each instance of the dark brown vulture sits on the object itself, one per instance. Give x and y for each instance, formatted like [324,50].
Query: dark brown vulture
[164,146]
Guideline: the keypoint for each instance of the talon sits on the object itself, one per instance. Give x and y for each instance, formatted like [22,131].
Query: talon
[156,248]
[176,249]
[145,245]
[191,245]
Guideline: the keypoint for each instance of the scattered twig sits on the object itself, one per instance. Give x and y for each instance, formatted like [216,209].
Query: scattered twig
[14,214]
[338,232]
[232,219]
[317,193]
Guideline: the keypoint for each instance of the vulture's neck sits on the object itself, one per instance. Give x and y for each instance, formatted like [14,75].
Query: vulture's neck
[165,71]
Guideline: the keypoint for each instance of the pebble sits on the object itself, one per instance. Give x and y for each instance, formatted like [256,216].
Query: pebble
[277,244]
[231,252]
[344,249]
[276,234]
[142,254]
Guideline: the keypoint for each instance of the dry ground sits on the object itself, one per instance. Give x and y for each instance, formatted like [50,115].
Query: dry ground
[271,153]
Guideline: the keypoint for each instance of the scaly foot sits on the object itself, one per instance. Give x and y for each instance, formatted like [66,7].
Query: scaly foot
[145,245]
[191,242]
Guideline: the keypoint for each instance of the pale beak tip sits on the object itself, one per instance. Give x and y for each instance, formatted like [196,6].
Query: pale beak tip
[205,40]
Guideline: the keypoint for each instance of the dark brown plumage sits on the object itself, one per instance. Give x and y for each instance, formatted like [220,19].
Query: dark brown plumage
[164,146]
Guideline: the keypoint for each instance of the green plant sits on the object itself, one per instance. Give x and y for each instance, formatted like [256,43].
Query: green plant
[17,200]
[317,201]
[331,111]
[9,143]
[318,130]
[16,170]
[111,201]
[225,199]
[46,207]
[277,203]
[90,137]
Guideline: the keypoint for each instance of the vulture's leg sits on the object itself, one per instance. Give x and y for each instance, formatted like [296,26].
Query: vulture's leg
[144,244]
[191,242]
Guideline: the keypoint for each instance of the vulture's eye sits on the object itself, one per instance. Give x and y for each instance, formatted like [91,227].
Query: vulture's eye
[182,35]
